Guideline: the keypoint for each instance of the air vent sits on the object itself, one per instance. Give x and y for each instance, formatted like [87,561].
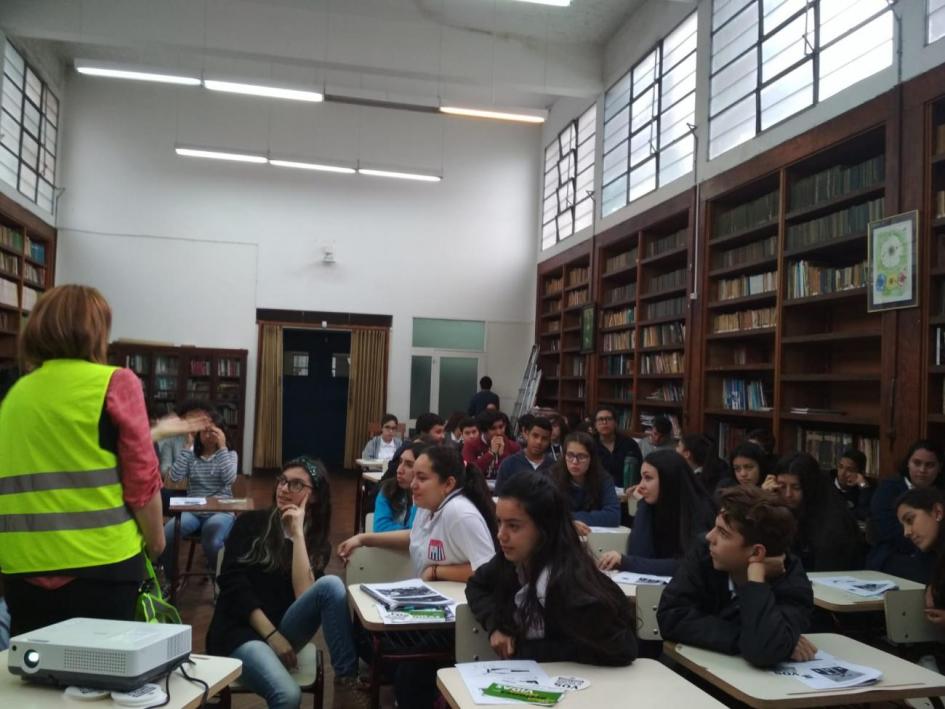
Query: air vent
[111,661]
[177,645]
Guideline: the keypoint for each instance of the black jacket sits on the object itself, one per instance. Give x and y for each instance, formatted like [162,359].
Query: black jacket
[576,628]
[828,539]
[624,447]
[762,622]
[481,399]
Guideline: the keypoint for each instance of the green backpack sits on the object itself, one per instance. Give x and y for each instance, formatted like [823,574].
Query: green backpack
[151,606]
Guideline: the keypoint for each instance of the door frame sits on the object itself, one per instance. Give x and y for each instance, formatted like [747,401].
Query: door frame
[437,353]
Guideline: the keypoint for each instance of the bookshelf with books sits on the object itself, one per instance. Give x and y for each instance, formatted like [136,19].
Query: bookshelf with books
[27,266]
[171,374]
[933,229]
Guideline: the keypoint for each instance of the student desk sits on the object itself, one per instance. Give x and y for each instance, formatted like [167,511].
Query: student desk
[837,601]
[646,684]
[371,473]
[759,688]
[217,672]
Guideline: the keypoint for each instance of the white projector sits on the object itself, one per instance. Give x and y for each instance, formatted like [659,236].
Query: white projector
[106,654]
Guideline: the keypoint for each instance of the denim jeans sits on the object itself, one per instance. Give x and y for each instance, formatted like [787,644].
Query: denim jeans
[4,625]
[263,671]
[213,529]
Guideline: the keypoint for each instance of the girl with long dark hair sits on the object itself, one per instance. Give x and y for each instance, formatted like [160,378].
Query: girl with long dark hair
[273,591]
[751,466]
[393,506]
[589,490]
[921,512]
[672,515]
[542,598]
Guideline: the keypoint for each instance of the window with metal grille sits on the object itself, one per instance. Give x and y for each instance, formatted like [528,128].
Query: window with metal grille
[774,58]
[567,203]
[648,114]
[29,126]
[936,19]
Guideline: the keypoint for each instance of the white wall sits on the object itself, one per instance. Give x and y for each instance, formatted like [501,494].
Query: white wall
[464,248]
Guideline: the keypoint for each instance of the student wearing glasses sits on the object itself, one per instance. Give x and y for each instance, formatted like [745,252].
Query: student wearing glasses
[274,594]
[619,454]
[384,446]
[585,484]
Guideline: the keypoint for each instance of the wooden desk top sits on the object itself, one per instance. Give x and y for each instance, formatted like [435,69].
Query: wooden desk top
[759,688]
[372,476]
[217,672]
[650,684]
[366,607]
[837,601]
[217,504]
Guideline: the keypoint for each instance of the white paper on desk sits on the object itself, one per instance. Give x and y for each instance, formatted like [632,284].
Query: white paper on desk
[188,501]
[628,577]
[608,530]
[858,587]
[479,675]
[421,615]
[827,672]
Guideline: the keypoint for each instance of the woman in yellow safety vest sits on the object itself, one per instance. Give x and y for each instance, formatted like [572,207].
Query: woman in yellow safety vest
[80,488]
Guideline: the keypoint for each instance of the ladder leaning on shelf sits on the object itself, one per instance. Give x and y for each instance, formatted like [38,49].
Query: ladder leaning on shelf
[528,388]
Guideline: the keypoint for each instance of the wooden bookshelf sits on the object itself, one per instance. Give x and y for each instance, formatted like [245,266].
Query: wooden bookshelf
[564,289]
[27,269]
[932,229]
[172,374]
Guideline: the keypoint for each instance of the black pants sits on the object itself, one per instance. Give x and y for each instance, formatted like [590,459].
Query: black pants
[33,607]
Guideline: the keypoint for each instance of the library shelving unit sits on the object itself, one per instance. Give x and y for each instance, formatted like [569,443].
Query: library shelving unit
[27,263]
[171,374]
[642,292]
[564,289]
[933,230]
[740,297]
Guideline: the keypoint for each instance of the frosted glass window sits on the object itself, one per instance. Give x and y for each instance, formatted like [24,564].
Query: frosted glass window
[788,46]
[725,10]
[469,335]
[840,16]
[735,38]
[857,56]
[615,164]
[733,83]
[614,195]
[646,72]
[676,159]
[569,178]
[733,127]
[791,93]
[643,179]
[776,12]
[936,20]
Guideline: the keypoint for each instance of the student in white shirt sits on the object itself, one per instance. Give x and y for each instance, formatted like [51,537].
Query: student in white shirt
[384,446]
[453,534]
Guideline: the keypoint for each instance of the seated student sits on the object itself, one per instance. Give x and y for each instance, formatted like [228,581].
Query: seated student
[828,538]
[559,429]
[393,506]
[743,593]
[384,446]
[209,468]
[672,515]
[454,433]
[169,447]
[541,598]
[850,481]
[750,466]
[491,447]
[533,457]
[764,439]
[659,436]
[484,398]
[524,424]
[430,427]
[891,551]
[619,454]
[274,593]
[452,535]
[469,431]
[920,512]
[589,490]
[699,451]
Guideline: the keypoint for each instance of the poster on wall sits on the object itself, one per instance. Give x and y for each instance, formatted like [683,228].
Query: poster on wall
[892,259]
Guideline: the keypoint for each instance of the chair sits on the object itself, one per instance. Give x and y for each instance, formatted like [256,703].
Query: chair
[472,642]
[905,619]
[193,541]
[310,676]
[648,602]
[600,542]
[373,565]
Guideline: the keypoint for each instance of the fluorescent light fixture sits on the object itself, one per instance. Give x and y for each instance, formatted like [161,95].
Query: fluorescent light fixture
[313,166]
[220,155]
[496,115]
[399,175]
[554,3]
[266,91]
[137,75]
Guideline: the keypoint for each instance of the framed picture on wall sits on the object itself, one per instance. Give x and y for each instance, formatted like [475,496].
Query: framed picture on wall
[587,329]
[893,262]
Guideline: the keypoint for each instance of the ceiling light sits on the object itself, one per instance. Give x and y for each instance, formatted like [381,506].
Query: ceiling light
[220,155]
[399,175]
[267,91]
[313,166]
[555,3]
[137,75]
[496,115]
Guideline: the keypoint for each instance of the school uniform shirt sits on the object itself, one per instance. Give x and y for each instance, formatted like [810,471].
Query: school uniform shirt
[454,533]
[613,462]
[857,498]
[479,453]
[377,449]
[607,513]
[520,463]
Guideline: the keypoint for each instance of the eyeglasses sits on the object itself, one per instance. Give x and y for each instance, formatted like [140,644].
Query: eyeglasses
[604,419]
[293,485]
[577,457]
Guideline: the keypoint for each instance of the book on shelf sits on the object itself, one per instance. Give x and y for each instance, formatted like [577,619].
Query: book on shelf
[746,215]
[617,341]
[806,278]
[616,365]
[621,293]
[578,297]
[199,367]
[624,417]
[7,320]
[655,246]
[939,204]
[9,294]
[747,254]
[617,318]
[750,284]
[745,320]
[646,421]
[35,274]
[622,391]
[9,264]
[837,181]
[554,285]
[662,363]
[553,326]
[578,366]
[30,297]
[228,391]
[228,367]
[11,238]
[620,261]
[666,281]
[746,394]
[229,414]
[730,437]
[839,224]
[36,250]
[673,333]
[811,411]
[671,307]
[578,275]
[137,363]
[828,446]
[669,391]
[165,365]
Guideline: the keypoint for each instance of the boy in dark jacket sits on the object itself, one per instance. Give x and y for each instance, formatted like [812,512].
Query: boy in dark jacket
[742,593]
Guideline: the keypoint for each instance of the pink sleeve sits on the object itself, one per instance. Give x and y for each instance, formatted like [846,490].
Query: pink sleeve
[137,461]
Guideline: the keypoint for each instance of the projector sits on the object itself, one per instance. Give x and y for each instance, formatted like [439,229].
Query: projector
[105,654]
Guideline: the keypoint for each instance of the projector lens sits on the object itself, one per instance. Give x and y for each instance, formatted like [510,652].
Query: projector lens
[31,659]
